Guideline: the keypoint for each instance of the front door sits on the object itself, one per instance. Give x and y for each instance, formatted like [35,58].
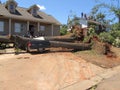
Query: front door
[31,30]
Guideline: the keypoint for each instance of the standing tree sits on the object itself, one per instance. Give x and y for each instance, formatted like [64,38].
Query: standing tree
[113,7]
[98,15]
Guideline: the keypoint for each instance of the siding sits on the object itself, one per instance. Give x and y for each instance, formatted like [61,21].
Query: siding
[23,32]
[56,30]
[6,27]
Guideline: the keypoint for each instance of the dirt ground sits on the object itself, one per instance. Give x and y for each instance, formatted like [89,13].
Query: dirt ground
[47,71]
[99,59]
[55,69]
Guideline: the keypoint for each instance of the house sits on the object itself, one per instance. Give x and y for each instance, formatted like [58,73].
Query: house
[17,20]
[85,23]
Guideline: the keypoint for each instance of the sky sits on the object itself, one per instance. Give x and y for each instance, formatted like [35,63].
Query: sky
[60,9]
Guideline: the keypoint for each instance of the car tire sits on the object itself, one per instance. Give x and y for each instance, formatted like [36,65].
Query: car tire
[41,49]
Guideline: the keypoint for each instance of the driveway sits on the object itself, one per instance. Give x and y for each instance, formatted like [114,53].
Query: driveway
[50,71]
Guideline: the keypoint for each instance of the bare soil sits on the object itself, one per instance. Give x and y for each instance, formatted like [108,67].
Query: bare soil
[47,71]
[99,59]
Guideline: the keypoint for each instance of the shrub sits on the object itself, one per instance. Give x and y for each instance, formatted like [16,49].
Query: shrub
[63,30]
[91,31]
[115,33]
[117,42]
[116,26]
[106,37]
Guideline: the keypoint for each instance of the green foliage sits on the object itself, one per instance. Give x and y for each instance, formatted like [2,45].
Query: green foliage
[112,37]
[113,8]
[106,37]
[86,39]
[91,33]
[91,30]
[117,42]
[116,26]
[63,30]
[115,33]
[99,15]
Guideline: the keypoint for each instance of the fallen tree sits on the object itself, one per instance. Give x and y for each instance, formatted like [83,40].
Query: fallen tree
[5,39]
[22,42]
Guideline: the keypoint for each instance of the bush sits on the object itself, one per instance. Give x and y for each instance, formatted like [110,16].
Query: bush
[117,42]
[116,26]
[112,37]
[63,30]
[91,31]
[106,37]
[115,33]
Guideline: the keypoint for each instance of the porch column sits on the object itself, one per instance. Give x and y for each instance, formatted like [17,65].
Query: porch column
[38,26]
[28,23]
[10,26]
[52,32]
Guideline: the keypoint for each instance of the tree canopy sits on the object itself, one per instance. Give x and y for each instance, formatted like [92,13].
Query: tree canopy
[113,6]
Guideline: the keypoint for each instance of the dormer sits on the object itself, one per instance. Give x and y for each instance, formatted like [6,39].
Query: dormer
[33,10]
[11,6]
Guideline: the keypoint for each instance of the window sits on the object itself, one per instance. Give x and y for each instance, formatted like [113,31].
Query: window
[42,28]
[19,27]
[12,8]
[34,11]
[1,26]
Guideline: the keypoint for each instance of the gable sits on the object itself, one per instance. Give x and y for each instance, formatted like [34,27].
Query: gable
[23,14]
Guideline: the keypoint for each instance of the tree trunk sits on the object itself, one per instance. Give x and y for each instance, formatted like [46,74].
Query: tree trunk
[5,39]
[60,38]
[79,46]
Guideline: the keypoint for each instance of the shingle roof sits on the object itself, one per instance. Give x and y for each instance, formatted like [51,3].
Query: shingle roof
[23,14]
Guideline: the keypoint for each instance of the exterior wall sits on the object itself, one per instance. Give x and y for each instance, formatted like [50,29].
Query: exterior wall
[47,32]
[22,32]
[83,23]
[56,30]
[6,28]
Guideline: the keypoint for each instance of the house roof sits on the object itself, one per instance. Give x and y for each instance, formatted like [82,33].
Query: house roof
[23,14]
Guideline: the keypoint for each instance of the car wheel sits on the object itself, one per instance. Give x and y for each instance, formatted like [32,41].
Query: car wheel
[41,49]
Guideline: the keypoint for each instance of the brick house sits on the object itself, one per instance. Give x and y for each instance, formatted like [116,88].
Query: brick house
[18,20]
